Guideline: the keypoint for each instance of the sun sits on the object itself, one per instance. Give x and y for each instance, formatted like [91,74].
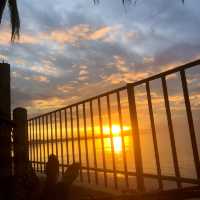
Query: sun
[116,130]
[117,142]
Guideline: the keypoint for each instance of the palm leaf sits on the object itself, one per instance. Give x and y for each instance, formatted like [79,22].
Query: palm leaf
[14,17]
[2,7]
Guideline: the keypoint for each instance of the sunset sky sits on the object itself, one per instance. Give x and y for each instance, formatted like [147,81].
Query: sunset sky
[70,50]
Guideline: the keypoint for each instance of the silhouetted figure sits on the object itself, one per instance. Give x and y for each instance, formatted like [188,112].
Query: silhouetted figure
[54,190]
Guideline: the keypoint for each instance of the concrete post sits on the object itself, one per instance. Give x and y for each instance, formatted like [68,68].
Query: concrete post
[5,134]
[20,140]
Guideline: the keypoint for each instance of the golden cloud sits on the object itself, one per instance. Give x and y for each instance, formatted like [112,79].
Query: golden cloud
[48,104]
[42,79]
[101,33]
[72,35]
[126,77]
[81,32]
[65,88]
[24,38]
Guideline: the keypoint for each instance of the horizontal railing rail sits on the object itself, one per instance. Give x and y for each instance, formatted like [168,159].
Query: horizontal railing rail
[104,134]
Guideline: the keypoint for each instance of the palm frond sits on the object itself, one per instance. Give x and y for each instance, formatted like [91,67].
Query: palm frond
[14,18]
[2,7]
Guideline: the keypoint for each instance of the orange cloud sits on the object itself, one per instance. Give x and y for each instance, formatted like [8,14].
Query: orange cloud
[127,77]
[24,38]
[49,104]
[101,33]
[70,35]
[73,35]
[65,88]
[4,37]
[43,79]
[81,32]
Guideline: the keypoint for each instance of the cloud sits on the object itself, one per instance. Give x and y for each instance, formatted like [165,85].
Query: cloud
[82,78]
[120,63]
[65,88]
[24,38]
[79,33]
[47,104]
[128,77]
[83,72]
[46,69]
[83,67]
[42,79]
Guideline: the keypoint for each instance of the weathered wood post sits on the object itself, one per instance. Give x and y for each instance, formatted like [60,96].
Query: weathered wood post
[5,134]
[20,140]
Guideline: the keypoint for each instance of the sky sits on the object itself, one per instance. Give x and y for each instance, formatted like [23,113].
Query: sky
[72,50]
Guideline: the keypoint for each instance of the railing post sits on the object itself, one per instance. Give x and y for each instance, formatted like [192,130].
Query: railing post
[20,140]
[136,138]
[5,131]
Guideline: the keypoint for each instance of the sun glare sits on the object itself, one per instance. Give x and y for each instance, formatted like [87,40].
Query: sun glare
[116,133]
[117,141]
[115,130]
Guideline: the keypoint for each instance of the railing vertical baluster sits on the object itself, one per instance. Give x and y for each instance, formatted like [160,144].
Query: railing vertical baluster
[37,146]
[72,134]
[30,141]
[47,135]
[112,143]
[102,142]
[34,154]
[40,139]
[79,142]
[123,140]
[61,140]
[51,128]
[66,139]
[56,133]
[44,143]
[171,131]
[35,138]
[86,142]
[190,123]
[93,142]
[136,138]
[153,129]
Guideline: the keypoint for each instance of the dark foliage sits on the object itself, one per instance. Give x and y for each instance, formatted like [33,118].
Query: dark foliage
[14,16]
